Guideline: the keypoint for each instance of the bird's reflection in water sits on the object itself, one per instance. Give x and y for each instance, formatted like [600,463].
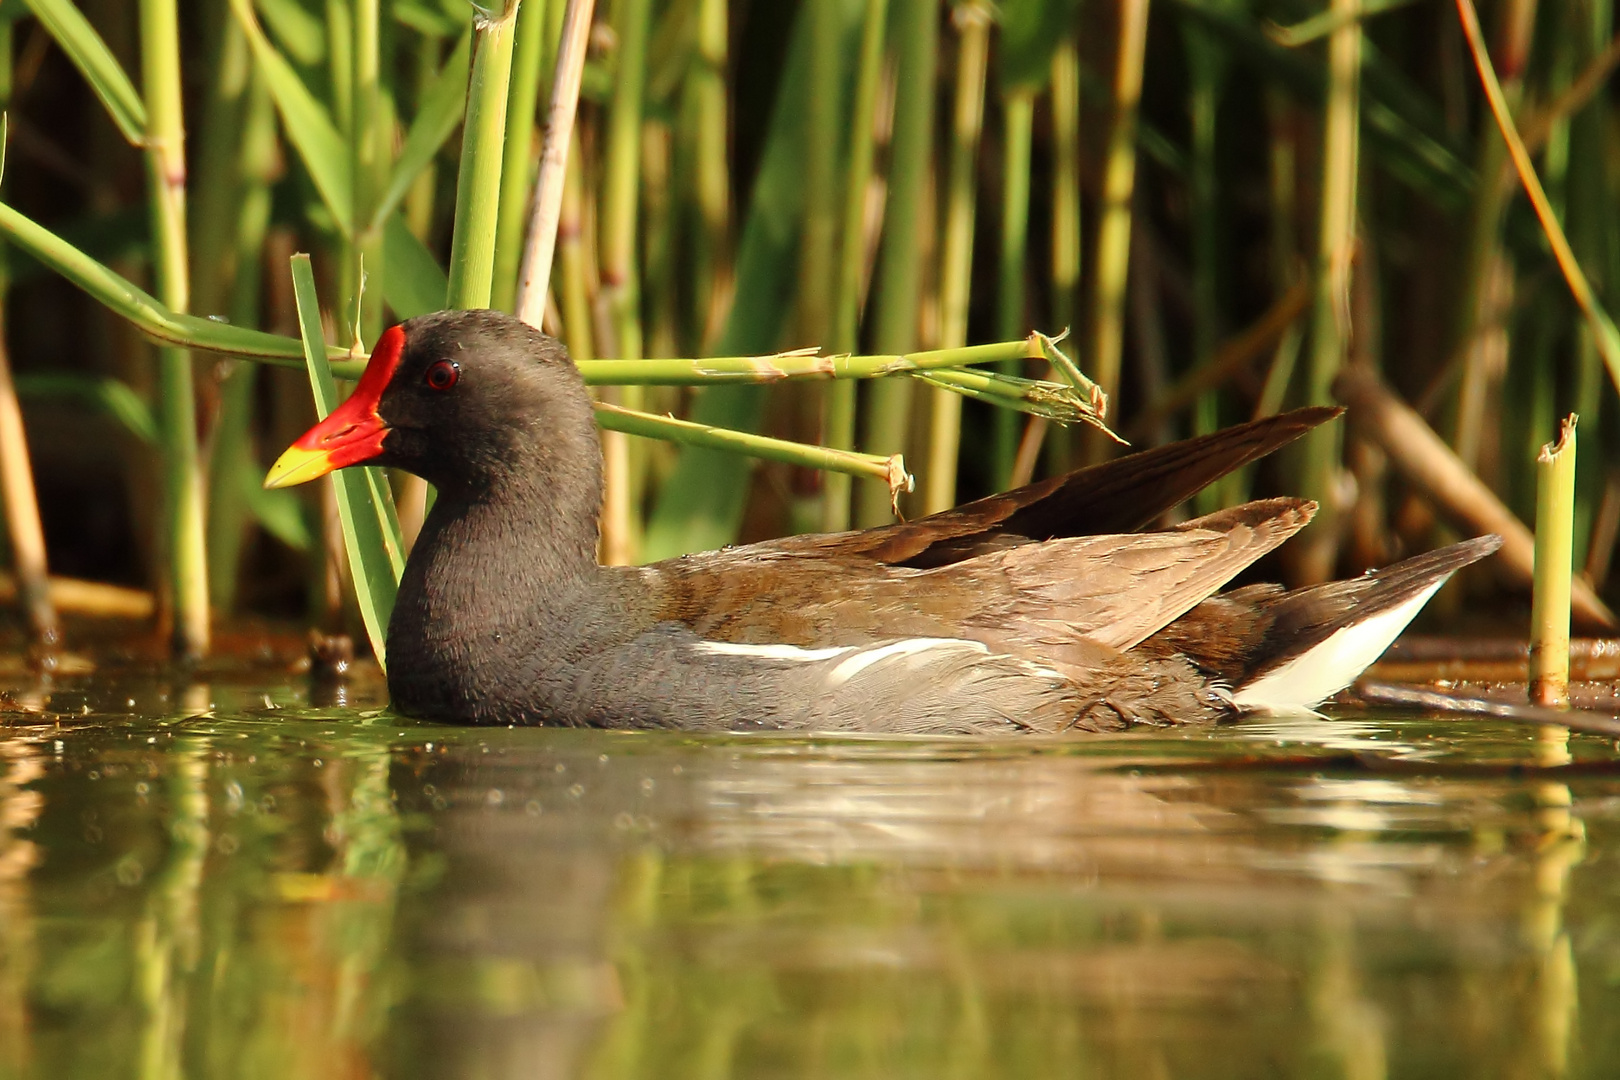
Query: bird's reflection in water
[615,905]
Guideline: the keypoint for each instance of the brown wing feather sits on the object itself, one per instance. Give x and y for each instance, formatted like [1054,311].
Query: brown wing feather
[1072,602]
[1117,496]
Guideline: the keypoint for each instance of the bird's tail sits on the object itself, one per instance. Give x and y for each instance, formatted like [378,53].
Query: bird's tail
[1322,637]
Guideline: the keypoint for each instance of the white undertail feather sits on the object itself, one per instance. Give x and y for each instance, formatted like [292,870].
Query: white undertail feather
[1321,671]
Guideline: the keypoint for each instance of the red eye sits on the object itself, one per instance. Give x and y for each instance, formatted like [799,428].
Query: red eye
[443,375]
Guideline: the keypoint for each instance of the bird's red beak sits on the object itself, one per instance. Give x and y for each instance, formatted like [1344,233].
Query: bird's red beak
[351,433]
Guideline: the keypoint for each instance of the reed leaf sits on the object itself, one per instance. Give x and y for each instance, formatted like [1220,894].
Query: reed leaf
[413,282]
[75,36]
[307,123]
[365,507]
[436,119]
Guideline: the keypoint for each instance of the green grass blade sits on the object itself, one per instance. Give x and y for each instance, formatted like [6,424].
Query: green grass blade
[413,282]
[300,34]
[78,39]
[434,123]
[375,558]
[306,121]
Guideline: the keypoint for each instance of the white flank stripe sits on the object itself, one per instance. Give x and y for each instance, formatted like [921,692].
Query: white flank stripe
[867,657]
[769,652]
[1323,670]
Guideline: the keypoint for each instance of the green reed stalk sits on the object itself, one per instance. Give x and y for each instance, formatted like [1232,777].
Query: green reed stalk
[900,270]
[1206,63]
[621,177]
[518,168]
[621,284]
[1114,224]
[230,459]
[478,182]
[370,151]
[1066,249]
[1018,130]
[956,257]
[185,546]
[1330,331]
[573,290]
[23,526]
[840,428]
[1554,567]
[1066,246]
[705,100]
[822,134]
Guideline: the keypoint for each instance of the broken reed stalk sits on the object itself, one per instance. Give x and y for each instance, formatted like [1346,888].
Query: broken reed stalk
[1427,463]
[956,258]
[541,242]
[1114,225]
[478,183]
[1554,563]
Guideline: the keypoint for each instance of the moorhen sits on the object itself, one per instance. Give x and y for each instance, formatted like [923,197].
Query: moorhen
[1039,609]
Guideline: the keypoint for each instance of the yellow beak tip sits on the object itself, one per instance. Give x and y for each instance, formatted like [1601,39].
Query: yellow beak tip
[297,466]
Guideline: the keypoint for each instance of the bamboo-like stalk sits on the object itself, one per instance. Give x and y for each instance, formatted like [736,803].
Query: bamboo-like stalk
[1206,62]
[369,154]
[916,24]
[184,548]
[571,257]
[478,182]
[231,451]
[1018,130]
[1066,246]
[1317,551]
[23,526]
[540,244]
[840,425]
[620,295]
[1114,216]
[22,506]
[517,168]
[1554,565]
[706,100]
[956,257]
[822,134]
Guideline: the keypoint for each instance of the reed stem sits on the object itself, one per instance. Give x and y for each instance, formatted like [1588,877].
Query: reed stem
[185,545]
[916,25]
[1330,320]
[1554,563]
[1114,225]
[478,182]
[956,258]
[840,428]
[541,242]
[1018,130]
[518,166]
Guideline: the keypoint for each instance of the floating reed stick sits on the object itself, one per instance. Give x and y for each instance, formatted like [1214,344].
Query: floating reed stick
[1554,561]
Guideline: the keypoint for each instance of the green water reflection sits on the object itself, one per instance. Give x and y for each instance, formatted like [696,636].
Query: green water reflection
[223,879]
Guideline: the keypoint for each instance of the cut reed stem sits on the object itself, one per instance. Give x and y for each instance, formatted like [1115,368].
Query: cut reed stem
[1554,567]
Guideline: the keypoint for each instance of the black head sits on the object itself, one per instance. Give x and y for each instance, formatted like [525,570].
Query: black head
[470,401]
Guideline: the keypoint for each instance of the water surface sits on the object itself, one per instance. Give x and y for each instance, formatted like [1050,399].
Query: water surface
[242,874]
